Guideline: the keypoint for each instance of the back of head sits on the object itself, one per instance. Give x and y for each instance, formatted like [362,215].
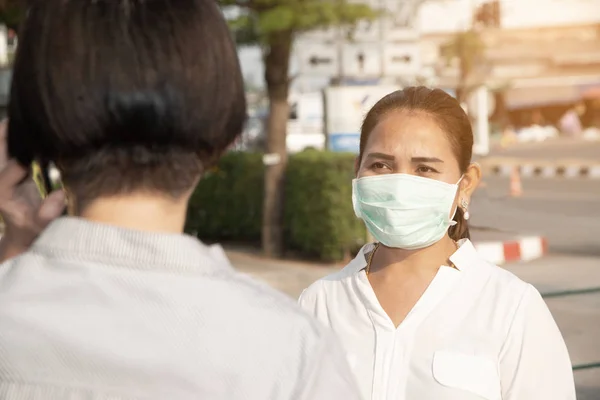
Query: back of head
[125,95]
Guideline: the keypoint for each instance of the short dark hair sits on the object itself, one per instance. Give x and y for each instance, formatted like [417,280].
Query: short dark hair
[447,112]
[125,95]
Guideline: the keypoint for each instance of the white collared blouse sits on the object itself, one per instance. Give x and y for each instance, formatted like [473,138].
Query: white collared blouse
[478,332]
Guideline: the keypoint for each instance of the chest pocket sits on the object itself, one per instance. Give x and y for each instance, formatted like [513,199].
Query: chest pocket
[474,374]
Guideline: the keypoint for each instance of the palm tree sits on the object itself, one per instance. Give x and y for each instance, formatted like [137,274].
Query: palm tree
[468,49]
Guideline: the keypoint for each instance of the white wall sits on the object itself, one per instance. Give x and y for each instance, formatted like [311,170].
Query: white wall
[446,16]
[541,13]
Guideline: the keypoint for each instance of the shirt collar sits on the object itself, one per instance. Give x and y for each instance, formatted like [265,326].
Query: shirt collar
[76,238]
[464,258]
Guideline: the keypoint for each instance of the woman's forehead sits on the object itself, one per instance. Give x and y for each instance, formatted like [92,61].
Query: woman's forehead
[408,132]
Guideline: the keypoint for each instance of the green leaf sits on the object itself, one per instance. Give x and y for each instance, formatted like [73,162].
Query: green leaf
[276,19]
[273,16]
[244,30]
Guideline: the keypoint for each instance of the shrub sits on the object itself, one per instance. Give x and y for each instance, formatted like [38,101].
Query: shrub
[319,219]
[227,204]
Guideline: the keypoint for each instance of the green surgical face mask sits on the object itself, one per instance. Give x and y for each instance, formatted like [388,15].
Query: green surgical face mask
[404,211]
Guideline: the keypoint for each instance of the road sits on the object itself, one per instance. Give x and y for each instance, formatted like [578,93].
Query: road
[567,212]
[562,148]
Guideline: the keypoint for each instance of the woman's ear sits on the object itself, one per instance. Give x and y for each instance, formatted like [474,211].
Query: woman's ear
[470,182]
[356,165]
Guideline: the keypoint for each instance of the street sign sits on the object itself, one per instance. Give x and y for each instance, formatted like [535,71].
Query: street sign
[361,60]
[317,59]
[402,59]
[387,46]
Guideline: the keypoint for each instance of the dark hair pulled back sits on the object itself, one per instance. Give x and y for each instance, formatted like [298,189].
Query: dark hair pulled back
[447,113]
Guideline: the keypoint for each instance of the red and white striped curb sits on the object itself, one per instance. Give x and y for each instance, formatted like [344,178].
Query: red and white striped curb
[520,249]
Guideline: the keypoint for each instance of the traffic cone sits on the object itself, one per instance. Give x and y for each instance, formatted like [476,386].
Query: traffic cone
[516,188]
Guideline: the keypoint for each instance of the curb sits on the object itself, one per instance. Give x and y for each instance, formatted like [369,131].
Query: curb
[521,249]
[569,169]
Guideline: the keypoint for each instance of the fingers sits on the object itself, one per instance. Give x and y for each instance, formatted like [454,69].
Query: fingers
[3,145]
[52,207]
[10,177]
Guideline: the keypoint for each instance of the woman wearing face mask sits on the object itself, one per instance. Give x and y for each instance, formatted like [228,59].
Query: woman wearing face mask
[421,315]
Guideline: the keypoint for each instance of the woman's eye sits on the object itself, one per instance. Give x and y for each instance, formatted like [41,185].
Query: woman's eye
[423,169]
[379,165]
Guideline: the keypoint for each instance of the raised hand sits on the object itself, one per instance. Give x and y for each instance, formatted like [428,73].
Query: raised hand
[24,212]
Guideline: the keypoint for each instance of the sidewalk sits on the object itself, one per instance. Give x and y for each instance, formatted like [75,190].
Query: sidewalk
[292,276]
[562,168]
[560,157]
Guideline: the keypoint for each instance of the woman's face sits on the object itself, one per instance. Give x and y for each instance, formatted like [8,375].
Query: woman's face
[409,143]
[412,143]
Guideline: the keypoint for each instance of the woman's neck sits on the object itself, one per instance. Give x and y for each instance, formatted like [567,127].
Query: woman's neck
[394,261]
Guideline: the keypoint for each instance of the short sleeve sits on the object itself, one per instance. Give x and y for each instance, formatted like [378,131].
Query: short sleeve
[534,362]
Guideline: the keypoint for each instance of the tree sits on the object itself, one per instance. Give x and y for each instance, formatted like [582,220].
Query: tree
[12,12]
[468,48]
[273,24]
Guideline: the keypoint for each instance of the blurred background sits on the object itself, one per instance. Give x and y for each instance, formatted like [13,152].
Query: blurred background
[526,71]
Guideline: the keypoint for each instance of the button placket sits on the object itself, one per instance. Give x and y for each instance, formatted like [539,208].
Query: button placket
[404,341]
[384,357]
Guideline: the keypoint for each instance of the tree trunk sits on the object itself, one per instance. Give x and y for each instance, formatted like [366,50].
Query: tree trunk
[276,75]
[463,76]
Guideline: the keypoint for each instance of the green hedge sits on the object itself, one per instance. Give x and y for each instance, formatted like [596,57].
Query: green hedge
[227,204]
[319,221]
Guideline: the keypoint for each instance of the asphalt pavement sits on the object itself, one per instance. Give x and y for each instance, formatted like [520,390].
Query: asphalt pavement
[565,211]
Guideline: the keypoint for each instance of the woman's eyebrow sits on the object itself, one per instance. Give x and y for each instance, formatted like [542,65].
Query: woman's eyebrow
[382,156]
[426,159]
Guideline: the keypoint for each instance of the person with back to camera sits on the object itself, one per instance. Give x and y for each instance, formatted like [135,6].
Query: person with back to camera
[421,314]
[134,100]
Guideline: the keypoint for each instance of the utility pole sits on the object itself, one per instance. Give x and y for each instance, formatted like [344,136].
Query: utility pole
[482,117]
[382,69]
[339,42]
